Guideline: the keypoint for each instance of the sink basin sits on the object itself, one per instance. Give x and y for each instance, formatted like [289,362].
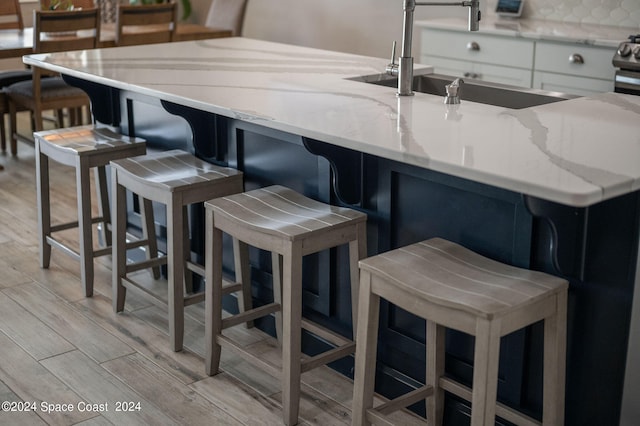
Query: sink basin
[474,90]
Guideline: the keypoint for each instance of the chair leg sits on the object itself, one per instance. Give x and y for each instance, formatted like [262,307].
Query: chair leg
[119,243]
[3,135]
[485,373]
[186,243]
[276,272]
[435,370]
[43,206]
[357,251]
[555,342]
[291,332]
[213,294]
[366,351]
[243,276]
[103,205]
[175,272]
[83,189]
[149,232]
[13,127]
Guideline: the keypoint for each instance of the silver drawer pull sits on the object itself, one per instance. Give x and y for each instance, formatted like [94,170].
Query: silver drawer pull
[471,75]
[576,58]
[472,45]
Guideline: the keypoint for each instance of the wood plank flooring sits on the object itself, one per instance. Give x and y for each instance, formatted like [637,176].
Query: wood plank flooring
[58,347]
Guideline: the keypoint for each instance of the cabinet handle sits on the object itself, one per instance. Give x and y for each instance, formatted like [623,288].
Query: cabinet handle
[576,58]
[473,46]
[471,75]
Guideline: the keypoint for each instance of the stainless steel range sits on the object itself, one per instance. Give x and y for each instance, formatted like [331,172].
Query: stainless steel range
[627,60]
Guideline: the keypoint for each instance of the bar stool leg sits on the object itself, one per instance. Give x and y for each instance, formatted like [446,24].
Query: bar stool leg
[83,189]
[243,276]
[119,247]
[149,232]
[485,372]
[435,369]
[291,332]
[276,272]
[366,351]
[357,251]
[44,207]
[186,244]
[555,342]
[103,205]
[175,272]
[213,295]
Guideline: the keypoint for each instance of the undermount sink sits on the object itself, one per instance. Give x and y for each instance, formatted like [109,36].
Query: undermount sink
[474,90]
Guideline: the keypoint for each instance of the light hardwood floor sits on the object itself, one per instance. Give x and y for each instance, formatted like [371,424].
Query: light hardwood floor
[58,347]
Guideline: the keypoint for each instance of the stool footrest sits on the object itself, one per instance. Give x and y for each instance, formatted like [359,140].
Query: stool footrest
[192,299]
[128,283]
[145,264]
[194,267]
[102,252]
[63,226]
[250,315]
[325,333]
[270,369]
[70,225]
[502,410]
[68,250]
[328,356]
[404,400]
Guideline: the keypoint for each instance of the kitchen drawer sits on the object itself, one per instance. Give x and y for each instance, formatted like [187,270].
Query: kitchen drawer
[513,52]
[556,57]
[487,72]
[582,86]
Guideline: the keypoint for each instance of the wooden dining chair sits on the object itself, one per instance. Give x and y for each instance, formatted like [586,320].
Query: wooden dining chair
[11,15]
[10,19]
[146,24]
[77,4]
[54,31]
[227,14]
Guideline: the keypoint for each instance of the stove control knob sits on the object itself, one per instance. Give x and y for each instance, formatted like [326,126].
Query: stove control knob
[624,49]
[636,52]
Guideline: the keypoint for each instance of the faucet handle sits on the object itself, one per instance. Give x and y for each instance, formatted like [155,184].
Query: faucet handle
[392,67]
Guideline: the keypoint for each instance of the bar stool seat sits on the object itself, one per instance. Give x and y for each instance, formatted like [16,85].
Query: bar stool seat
[290,226]
[84,148]
[176,179]
[453,287]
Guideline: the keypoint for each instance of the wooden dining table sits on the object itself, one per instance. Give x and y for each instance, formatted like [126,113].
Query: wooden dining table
[17,43]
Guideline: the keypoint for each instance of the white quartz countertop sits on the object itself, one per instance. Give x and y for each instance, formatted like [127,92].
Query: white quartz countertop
[576,152]
[538,29]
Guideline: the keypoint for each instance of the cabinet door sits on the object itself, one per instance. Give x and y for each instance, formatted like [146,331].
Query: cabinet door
[493,73]
[478,48]
[575,59]
[575,85]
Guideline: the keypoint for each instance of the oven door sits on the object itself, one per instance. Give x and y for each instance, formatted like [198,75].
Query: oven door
[627,82]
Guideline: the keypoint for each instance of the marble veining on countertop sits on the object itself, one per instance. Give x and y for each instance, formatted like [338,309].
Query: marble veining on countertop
[539,29]
[576,152]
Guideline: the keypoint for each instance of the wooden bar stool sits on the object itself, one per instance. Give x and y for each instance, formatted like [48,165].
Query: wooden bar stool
[450,286]
[290,226]
[83,147]
[176,179]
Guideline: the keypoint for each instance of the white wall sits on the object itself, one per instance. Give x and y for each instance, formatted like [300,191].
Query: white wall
[366,27]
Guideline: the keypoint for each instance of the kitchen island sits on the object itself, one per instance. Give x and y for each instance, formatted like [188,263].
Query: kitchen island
[553,187]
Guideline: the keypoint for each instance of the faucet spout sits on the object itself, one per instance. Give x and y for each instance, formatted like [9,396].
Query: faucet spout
[405,62]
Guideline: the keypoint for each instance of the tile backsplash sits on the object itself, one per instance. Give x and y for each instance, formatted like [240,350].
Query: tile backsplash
[619,13]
